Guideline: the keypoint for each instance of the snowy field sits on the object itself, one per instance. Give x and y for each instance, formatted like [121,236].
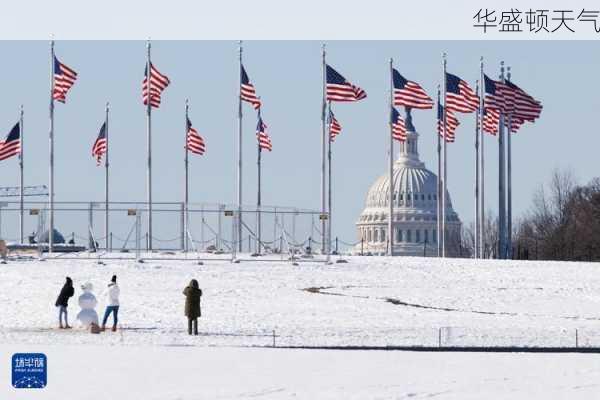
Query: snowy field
[193,373]
[370,301]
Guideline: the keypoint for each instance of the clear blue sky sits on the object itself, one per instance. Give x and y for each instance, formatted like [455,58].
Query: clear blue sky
[287,76]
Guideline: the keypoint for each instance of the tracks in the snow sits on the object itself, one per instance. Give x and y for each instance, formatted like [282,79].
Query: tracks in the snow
[326,290]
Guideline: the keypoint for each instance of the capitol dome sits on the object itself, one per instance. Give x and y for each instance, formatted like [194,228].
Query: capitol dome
[414,209]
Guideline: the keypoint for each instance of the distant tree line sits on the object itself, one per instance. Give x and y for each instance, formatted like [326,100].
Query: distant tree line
[563,223]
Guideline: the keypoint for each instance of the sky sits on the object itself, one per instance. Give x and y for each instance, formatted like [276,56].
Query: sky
[287,77]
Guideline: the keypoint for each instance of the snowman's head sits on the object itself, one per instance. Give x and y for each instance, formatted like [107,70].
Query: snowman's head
[87,287]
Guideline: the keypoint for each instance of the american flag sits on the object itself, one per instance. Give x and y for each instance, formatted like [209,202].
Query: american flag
[194,142]
[12,144]
[515,123]
[525,106]
[247,91]
[64,78]
[334,126]
[459,96]
[100,145]
[498,95]
[491,118]
[408,93]
[264,141]
[158,83]
[339,89]
[451,123]
[398,126]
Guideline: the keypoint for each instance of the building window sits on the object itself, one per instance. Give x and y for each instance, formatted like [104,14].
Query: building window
[408,236]
[399,235]
[376,235]
[383,235]
[418,236]
[369,235]
[426,236]
[434,235]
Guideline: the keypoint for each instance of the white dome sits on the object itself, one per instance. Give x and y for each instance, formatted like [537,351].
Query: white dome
[412,186]
[414,210]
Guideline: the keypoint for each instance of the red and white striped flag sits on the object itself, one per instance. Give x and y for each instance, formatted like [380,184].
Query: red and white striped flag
[498,95]
[100,145]
[491,118]
[408,93]
[525,106]
[64,79]
[247,91]
[194,142]
[339,89]
[158,83]
[451,124]
[398,126]
[335,128]
[264,141]
[12,144]
[459,96]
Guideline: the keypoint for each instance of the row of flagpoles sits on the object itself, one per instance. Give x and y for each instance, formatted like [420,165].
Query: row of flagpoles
[497,104]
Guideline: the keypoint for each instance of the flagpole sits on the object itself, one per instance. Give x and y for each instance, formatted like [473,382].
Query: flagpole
[477,226]
[482,158]
[186,185]
[439,182]
[501,181]
[258,200]
[509,181]
[329,190]
[391,166]
[239,169]
[106,227]
[51,139]
[323,138]
[21,194]
[149,145]
[445,179]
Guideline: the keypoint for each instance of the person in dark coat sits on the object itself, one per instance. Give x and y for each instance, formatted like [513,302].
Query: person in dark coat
[192,305]
[62,302]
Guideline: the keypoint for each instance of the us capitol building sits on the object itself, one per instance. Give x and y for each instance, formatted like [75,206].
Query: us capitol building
[415,204]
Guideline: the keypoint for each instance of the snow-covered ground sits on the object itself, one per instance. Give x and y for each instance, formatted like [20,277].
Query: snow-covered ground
[193,373]
[370,301]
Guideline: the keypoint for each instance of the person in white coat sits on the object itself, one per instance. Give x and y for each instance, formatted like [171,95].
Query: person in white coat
[112,303]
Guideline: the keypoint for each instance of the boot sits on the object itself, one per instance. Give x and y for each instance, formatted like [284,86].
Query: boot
[60,326]
[67,326]
[114,328]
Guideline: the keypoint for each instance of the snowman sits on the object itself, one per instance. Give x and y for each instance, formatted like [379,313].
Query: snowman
[87,302]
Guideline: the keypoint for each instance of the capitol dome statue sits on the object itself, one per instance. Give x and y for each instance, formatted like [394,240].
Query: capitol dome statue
[415,206]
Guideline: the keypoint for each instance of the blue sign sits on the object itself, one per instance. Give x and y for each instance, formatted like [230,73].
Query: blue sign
[29,370]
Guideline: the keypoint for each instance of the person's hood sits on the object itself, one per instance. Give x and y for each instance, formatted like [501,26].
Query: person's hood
[69,282]
[194,284]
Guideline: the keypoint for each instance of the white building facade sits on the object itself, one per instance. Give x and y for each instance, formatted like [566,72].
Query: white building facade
[415,204]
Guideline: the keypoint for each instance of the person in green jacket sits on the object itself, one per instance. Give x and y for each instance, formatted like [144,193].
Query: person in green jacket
[192,305]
